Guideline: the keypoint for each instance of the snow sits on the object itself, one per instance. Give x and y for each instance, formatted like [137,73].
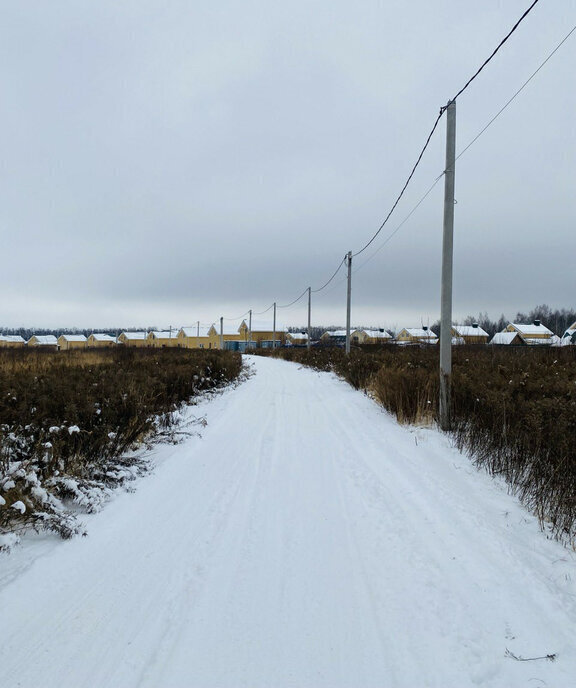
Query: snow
[530,329]
[304,541]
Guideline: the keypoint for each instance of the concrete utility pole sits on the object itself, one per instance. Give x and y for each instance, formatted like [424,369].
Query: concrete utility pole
[274,326]
[349,260]
[221,334]
[308,344]
[447,252]
[198,334]
[250,327]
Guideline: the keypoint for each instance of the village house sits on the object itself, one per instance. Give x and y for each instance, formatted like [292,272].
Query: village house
[296,339]
[134,339]
[334,338]
[44,341]
[231,338]
[162,339]
[99,340]
[12,341]
[415,335]
[534,334]
[569,337]
[470,334]
[261,334]
[66,342]
[508,339]
[379,336]
[194,337]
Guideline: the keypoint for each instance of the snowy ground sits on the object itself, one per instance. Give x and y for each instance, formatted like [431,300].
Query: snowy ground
[306,541]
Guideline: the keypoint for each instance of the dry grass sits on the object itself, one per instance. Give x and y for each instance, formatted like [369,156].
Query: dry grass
[68,421]
[514,411]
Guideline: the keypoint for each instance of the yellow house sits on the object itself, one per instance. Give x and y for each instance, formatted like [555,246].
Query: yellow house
[231,337]
[533,334]
[296,338]
[135,339]
[44,341]
[12,341]
[162,339]
[334,338]
[471,334]
[98,340]
[416,335]
[262,334]
[194,337]
[66,342]
[379,336]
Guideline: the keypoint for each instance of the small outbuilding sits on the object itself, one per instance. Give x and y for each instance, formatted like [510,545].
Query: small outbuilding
[66,342]
[44,341]
[507,339]
[12,341]
[471,334]
[100,340]
[134,339]
[416,335]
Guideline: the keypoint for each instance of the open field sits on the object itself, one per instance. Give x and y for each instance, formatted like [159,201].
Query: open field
[514,411]
[68,423]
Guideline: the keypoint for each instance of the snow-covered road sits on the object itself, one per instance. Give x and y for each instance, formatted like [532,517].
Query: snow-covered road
[306,541]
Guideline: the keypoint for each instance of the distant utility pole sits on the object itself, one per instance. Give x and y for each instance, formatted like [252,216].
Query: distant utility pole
[198,334]
[250,328]
[308,344]
[221,333]
[349,261]
[447,253]
[274,328]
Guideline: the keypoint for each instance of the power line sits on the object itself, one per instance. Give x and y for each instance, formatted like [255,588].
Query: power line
[399,227]
[403,188]
[516,94]
[516,25]
[240,316]
[442,110]
[266,311]
[508,102]
[315,291]
[295,300]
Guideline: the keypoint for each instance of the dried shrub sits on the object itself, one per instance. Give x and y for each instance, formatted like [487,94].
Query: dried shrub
[69,420]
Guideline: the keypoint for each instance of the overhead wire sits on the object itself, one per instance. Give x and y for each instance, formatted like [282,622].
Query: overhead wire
[434,127]
[315,291]
[516,94]
[295,300]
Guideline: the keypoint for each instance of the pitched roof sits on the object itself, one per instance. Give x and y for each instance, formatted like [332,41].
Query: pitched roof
[101,337]
[45,339]
[420,333]
[11,338]
[531,329]
[163,334]
[73,337]
[376,334]
[469,331]
[505,337]
[301,336]
[134,335]
[193,331]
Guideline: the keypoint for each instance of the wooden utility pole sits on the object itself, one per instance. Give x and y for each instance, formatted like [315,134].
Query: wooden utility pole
[308,344]
[274,328]
[198,334]
[250,328]
[221,334]
[447,253]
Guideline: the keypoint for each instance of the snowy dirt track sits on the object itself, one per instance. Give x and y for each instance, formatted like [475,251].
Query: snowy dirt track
[306,541]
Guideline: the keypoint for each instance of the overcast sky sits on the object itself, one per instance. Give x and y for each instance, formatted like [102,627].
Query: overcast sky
[168,161]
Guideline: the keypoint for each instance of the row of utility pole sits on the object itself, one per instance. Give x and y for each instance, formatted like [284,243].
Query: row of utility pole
[446,288]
